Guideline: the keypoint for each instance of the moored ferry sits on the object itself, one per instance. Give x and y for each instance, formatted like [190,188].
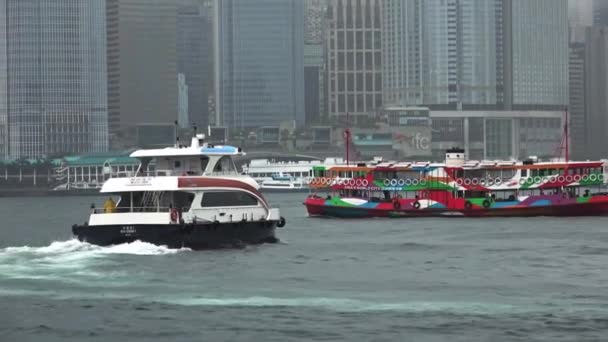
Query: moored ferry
[183,196]
[458,187]
[284,176]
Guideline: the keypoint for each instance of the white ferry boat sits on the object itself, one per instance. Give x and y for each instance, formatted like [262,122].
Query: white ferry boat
[285,176]
[193,197]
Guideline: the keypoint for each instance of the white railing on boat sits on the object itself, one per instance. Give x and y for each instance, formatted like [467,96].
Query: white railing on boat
[120,210]
[174,173]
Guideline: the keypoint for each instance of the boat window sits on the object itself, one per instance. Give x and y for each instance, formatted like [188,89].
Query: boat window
[182,200]
[227,199]
[177,164]
[477,173]
[124,202]
[225,164]
[204,162]
[407,175]
[508,173]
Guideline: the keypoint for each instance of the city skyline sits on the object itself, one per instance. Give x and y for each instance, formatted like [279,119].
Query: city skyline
[296,64]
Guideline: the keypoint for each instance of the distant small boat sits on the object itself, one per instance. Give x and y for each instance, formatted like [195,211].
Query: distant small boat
[285,176]
[280,182]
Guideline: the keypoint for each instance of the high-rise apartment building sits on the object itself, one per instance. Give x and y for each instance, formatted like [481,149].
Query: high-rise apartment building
[142,64]
[259,69]
[52,78]
[354,50]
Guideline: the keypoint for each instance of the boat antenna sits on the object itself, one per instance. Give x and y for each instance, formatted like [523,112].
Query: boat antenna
[194,128]
[567,136]
[565,142]
[176,134]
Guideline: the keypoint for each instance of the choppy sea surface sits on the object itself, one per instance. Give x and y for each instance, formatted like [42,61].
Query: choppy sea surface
[446,279]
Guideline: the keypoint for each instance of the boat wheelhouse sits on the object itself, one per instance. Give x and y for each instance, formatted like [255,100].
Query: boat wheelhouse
[458,187]
[183,196]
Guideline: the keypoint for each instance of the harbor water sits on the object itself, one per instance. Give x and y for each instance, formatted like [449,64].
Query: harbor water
[432,279]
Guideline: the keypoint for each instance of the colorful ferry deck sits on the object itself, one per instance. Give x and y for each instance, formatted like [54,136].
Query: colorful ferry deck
[460,188]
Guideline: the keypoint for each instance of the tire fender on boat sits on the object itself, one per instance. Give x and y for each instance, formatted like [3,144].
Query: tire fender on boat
[281,222]
[416,205]
[396,204]
[468,205]
[486,204]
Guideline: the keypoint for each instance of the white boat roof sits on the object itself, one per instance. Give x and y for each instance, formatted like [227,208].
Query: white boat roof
[132,184]
[188,151]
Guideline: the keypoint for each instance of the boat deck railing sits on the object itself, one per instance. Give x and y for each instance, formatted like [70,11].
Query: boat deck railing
[175,173]
[122,210]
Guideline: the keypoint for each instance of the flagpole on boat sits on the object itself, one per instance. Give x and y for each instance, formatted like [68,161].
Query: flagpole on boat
[347,138]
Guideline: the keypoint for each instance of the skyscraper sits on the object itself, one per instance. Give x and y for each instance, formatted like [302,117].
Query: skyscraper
[536,54]
[478,53]
[52,78]
[354,49]
[315,21]
[142,64]
[577,99]
[440,52]
[600,12]
[259,70]
[596,90]
[194,37]
[580,12]
[315,25]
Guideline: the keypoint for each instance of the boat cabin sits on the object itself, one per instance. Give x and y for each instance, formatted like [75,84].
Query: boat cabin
[198,159]
[189,184]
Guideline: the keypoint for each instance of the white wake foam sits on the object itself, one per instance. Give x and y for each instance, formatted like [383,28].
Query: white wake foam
[70,261]
[352,305]
[74,246]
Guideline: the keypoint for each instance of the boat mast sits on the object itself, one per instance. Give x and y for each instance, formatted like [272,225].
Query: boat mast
[347,138]
[567,137]
[564,145]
